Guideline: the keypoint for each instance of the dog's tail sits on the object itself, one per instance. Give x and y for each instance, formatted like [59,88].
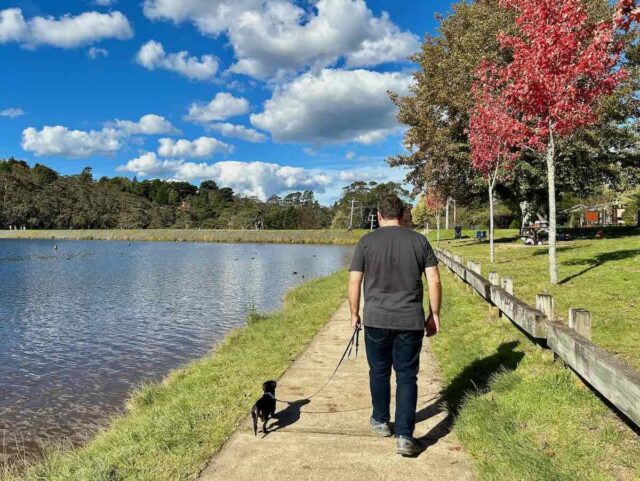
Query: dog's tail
[254,415]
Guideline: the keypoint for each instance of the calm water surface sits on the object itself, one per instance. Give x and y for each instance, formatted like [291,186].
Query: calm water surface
[82,325]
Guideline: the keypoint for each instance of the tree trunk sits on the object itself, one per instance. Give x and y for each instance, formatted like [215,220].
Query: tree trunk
[438,227]
[446,217]
[491,244]
[525,214]
[551,179]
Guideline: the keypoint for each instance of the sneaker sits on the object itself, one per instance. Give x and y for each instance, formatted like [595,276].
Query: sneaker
[407,446]
[381,429]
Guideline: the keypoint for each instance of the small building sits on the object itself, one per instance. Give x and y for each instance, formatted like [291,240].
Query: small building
[598,215]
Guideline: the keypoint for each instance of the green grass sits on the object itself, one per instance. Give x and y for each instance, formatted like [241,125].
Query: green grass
[171,429]
[520,415]
[602,276]
[319,236]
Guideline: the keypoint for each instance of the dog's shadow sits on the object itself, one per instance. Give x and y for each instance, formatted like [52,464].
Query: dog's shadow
[288,416]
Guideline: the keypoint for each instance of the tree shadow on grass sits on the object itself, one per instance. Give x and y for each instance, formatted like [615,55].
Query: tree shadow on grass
[470,241]
[597,261]
[477,375]
[474,378]
[545,251]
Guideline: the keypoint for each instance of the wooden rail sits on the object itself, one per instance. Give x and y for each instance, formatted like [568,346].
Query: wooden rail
[614,380]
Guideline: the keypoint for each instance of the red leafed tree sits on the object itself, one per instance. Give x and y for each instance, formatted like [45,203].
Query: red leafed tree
[562,66]
[627,13]
[435,201]
[495,137]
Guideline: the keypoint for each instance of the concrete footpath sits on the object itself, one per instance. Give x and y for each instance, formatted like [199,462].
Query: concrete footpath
[328,437]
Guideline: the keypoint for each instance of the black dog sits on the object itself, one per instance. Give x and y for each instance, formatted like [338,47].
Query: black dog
[265,407]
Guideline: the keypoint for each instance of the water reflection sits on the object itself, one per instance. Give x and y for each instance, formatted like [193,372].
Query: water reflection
[83,325]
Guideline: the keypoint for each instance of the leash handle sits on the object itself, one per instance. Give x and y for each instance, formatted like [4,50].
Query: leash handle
[356,336]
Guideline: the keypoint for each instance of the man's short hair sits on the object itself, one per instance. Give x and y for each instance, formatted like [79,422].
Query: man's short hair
[391,207]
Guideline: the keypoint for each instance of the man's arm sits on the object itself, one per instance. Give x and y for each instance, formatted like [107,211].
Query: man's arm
[355,283]
[432,324]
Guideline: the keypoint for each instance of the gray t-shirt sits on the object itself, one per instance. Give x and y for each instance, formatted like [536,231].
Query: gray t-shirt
[393,260]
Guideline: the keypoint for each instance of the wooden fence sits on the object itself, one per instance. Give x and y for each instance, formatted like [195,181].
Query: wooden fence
[614,380]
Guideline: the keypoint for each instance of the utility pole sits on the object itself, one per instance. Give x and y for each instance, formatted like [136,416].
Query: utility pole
[351,217]
[371,218]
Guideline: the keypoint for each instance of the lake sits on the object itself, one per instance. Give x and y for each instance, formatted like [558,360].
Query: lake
[83,325]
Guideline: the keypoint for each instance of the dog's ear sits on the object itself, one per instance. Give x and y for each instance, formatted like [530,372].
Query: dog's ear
[265,385]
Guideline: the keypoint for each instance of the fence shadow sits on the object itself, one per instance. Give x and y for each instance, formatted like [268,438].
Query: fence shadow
[597,261]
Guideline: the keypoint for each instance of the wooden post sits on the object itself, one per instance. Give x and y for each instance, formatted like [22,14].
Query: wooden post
[544,303]
[475,267]
[494,279]
[580,321]
[507,284]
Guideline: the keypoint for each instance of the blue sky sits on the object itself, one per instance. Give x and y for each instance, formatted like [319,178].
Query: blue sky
[265,97]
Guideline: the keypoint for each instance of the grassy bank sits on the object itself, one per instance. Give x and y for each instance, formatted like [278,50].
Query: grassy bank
[171,429]
[602,276]
[520,415]
[325,236]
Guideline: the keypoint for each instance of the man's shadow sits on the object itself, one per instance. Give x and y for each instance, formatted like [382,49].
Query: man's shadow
[287,416]
[476,377]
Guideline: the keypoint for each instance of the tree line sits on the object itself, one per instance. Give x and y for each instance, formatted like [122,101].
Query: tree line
[39,198]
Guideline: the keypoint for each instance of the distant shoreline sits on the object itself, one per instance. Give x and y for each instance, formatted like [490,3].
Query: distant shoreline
[324,236]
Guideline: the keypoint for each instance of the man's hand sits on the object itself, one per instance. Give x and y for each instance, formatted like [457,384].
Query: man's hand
[355,321]
[432,325]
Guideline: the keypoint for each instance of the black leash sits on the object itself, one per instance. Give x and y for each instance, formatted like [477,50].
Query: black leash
[354,341]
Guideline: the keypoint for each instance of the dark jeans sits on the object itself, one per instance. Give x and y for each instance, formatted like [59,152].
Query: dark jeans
[400,349]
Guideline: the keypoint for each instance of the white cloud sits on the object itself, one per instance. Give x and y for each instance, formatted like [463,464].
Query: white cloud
[148,164]
[105,3]
[381,174]
[221,107]
[258,179]
[153,56]
[66,32]
[210,16]
[198,148]
[149,124]
[261,179]
[272,37]
[59,140]
[238,132]
[350,155]
[12,112]
[334,106]
[95,52]
[13,27]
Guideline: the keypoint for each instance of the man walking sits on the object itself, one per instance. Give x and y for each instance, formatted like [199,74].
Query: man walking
[392,261]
